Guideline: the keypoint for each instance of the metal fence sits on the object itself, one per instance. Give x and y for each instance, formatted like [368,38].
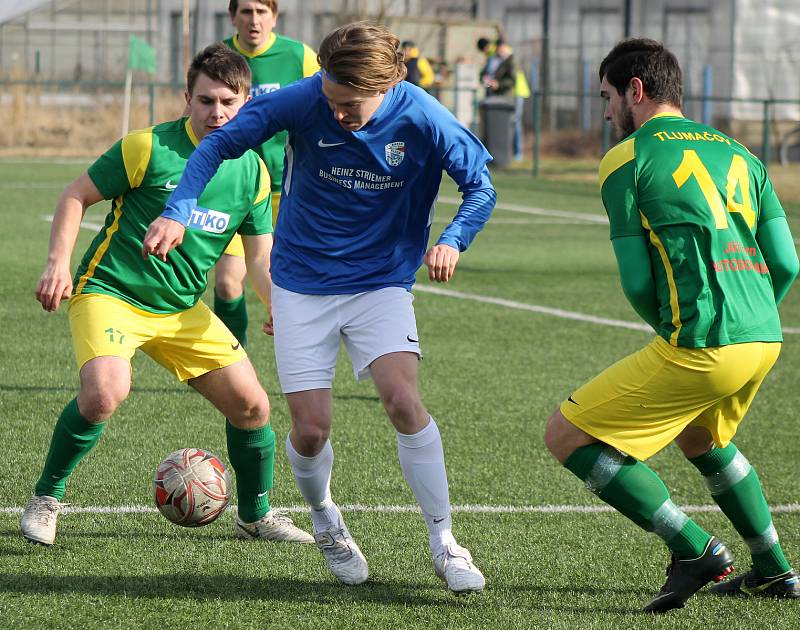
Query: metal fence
[86,117]
[769,137]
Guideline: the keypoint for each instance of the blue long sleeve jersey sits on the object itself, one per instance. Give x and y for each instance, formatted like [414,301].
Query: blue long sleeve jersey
[356,206]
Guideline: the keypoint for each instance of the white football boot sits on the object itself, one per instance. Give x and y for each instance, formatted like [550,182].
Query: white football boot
[342,554]
[454,565]
[38,524]
[274,525]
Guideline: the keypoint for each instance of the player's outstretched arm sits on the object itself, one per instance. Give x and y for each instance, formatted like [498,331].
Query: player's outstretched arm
[257,251]
[55,283]
[441,261]
[163,235]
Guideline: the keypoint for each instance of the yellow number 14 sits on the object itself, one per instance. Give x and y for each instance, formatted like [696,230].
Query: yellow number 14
[738,176]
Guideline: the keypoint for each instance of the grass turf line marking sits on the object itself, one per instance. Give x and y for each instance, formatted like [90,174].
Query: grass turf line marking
[512,207]
[546,310]
[787,508]
[86,225]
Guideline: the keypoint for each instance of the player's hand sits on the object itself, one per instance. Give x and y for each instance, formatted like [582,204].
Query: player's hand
[268,327]
[441,261]
[162,236]
[54,285]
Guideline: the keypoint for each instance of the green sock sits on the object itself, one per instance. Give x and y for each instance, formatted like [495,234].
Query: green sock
[73,437]
[634,490]
[735,487]
[252,455]
[233,314]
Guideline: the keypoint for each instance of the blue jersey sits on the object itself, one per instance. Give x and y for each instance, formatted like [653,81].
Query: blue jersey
[356,206]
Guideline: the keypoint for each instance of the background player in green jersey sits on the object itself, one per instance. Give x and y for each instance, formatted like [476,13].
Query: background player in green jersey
[705,256]
[120,302]
[275,61]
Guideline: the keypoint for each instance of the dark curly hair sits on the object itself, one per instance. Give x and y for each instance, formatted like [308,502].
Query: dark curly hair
[651,62]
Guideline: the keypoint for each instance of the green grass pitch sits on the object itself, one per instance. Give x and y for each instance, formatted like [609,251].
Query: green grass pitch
[498,359]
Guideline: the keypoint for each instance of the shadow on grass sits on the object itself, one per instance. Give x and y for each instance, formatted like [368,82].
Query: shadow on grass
[183,586]
[369,397]
[17,389]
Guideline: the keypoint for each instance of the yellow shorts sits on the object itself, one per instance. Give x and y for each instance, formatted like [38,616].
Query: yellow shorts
[235,247]
[189,344]
[643,402]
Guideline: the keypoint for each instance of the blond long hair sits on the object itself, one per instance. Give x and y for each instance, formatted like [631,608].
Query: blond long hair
[362,55]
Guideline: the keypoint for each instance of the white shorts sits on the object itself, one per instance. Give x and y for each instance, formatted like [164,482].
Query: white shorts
[308,329]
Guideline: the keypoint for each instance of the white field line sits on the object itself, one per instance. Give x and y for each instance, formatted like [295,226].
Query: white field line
[564,214]
[86,225]
[788,508]
[546,310]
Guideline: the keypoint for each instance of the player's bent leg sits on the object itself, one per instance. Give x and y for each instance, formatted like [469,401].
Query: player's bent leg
[236,392]
[312,415]
[229,303]
[311,456]
[395,377]
[105,383]
[563,438]
[638,493]
[735,487]
[333,538]
[419,449]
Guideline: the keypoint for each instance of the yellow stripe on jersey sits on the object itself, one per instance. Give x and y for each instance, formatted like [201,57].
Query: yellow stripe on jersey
[258,51]
[264,183]
[98,254]
[616,158]
[310,63]
[136,149]
[673,288]
[191,134]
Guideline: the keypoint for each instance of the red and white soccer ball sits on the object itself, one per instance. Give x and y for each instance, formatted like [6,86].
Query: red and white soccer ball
[192,487]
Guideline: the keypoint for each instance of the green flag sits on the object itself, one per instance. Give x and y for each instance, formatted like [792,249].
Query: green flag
[141,56]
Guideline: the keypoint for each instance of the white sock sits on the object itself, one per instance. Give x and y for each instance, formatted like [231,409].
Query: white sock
[313,477]
[422,461]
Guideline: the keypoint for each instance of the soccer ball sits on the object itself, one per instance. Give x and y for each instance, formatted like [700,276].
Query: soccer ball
[192,487]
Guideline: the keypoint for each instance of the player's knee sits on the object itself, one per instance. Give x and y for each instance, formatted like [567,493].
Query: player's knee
[694,441]
[227,287]
[404,407]
[552,435]
[98,405]
[253,414]
[309,437]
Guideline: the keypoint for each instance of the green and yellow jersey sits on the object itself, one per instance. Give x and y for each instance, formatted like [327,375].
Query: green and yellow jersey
[698,197]
[279,62]
[138,173]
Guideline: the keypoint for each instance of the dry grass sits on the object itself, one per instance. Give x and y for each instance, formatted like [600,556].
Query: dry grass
[75,122]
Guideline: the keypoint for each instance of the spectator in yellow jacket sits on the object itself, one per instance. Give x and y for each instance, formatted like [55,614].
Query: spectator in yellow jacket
[419,69]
